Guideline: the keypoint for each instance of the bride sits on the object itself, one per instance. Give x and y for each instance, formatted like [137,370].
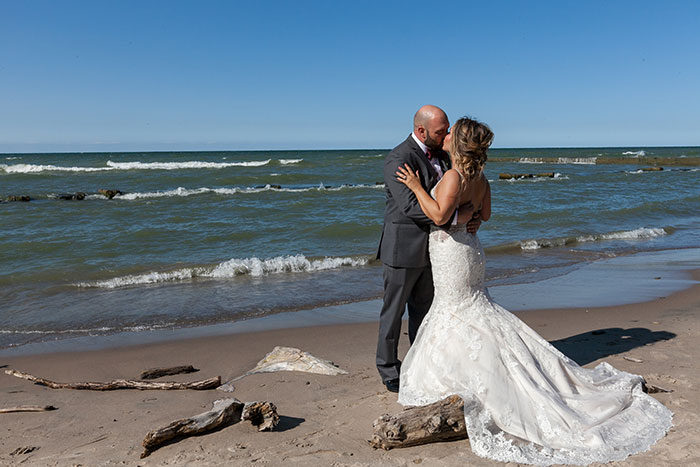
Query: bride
[524,401]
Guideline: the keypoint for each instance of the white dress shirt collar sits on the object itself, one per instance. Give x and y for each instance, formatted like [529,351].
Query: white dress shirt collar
[423,147]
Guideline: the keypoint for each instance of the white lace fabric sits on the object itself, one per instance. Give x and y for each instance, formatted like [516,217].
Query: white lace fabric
[525,401]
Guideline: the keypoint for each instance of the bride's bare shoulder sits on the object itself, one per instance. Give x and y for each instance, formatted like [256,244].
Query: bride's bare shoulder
[449,183]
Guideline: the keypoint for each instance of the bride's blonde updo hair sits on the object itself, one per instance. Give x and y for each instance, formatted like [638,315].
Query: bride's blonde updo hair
[470,141]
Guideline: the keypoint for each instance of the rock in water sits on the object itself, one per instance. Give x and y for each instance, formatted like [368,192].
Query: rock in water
[109,194]
[290,359]
[18,198]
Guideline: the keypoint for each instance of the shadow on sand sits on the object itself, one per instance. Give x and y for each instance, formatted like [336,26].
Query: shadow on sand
[590,346]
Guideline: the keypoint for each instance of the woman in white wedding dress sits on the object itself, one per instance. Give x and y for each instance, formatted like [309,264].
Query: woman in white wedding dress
[524,401]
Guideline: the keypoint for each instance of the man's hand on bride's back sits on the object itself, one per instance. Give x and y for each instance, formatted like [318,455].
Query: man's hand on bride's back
[465,213]
[474,223]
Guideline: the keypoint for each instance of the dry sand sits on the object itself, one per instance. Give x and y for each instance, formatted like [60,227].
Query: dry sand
[325,420]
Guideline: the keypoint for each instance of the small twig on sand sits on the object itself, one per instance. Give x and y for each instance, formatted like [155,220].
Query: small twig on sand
[28,408]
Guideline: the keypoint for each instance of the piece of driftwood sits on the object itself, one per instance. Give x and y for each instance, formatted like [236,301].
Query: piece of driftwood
[224,412]
[439,421]
[632,359]
[154,373]
[288,359]
[28,408]
[653,389]
[263,415]
[210,383]
[24,450]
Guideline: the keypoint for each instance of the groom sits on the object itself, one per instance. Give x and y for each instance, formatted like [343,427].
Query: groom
[403,248]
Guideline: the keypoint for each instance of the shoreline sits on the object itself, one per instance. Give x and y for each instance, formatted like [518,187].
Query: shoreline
[325,420]
[639,278]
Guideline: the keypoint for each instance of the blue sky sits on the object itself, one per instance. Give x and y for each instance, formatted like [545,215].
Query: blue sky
[205,75]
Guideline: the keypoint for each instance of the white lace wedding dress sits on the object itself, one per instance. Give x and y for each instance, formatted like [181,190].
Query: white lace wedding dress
[524,401]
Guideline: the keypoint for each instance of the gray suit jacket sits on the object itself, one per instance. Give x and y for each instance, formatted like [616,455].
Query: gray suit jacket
[404,241]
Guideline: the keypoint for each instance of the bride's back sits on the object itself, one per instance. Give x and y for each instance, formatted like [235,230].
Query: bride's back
[471,190]
[474,190]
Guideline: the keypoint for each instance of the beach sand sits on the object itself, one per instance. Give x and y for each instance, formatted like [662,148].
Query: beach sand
[325,420]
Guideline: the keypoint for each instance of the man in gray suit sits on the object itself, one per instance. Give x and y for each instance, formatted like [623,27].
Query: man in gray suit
[403,248]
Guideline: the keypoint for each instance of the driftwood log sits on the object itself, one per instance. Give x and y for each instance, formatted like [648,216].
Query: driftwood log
[210,383]
[440,421]
[224,412]
[154,373]
[28,408]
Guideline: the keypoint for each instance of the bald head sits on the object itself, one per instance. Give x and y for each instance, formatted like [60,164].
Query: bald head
[430,124]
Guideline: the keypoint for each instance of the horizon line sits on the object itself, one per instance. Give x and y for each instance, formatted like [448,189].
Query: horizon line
[331,149]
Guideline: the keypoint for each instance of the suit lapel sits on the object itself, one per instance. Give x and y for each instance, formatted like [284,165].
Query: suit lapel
[427,166]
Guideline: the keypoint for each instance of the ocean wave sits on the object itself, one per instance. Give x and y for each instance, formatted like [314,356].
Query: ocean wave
[103,329]
[183,165]
[232,268]
[558,160]
[34,168]
[184,192]
[634,153]
[557,176]
[641,233]
[290,161]
[530,160]
[577,160]
[18,157]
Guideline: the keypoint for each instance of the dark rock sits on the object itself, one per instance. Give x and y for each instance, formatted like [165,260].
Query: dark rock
[72,196]
[109,193]
[18,198]
[506,176]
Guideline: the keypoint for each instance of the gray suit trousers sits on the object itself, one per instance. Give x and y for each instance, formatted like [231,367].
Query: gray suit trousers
[412,286]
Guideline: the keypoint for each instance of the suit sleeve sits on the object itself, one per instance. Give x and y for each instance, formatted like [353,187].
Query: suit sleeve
[403,196]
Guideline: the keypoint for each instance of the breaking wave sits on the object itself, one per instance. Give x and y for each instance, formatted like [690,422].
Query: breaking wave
[110,165]
[634,153]
[183,165]
[290,161]
[636,234]
[232,268]
[184,192]
[557,176]
[558,160]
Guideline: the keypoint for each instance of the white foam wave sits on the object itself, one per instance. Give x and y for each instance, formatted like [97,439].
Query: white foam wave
[184,192]
[641,233]
[102,329]
[559,160]
[183,165]
[290,161]
[557,176]
[32,168]
[297,263]
[17,157]
[634,153]
[530,160]
[231,268]
[577,160]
